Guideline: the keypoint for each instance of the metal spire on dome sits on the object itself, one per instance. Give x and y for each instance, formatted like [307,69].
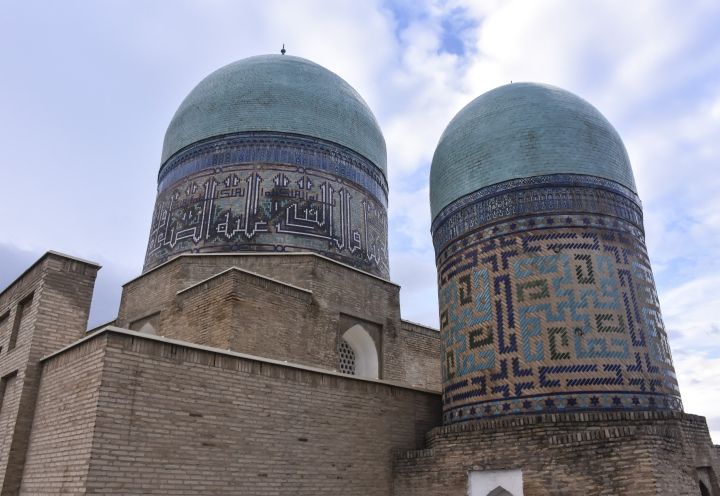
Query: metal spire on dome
[282,50]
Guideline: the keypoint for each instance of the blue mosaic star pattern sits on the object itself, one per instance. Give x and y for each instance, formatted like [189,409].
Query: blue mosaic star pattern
[551,311]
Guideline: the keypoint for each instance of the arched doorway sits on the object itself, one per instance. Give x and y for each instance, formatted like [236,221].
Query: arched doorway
[704,491]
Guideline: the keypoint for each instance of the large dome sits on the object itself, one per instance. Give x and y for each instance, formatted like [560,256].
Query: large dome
[273,154]
[523,130]
[276,93]
[545,288]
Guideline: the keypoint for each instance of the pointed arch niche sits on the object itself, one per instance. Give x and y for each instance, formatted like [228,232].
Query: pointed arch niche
[495,483]
[361,360]
[147,324]
[499,491]
[147,328]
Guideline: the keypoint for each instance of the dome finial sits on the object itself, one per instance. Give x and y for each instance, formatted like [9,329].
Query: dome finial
[282,50]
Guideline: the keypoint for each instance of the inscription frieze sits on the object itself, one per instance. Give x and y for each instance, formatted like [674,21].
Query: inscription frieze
[270,207]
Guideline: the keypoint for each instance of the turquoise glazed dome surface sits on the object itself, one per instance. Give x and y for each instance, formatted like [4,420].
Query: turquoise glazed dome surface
[277,93]
[523,130]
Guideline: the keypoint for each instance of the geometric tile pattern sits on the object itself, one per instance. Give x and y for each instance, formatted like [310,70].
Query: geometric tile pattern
[551,194]
[347,358]
[228,205]
[554,313]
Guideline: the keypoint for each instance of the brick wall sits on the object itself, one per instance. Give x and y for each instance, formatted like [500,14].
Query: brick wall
[188,420]
[58,456]
[8,414]
[271,324]
[612,453]
[241,311]
[421,350]
[43,310]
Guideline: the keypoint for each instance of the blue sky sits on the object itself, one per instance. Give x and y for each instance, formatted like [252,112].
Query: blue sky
[88,88]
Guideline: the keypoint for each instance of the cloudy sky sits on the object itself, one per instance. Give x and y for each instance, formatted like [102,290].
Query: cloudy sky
[87,89]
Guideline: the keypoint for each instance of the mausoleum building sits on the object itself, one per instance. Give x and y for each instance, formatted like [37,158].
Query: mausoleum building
[261,351]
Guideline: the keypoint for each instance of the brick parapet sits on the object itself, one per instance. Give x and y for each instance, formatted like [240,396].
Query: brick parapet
[26,274]
[421,348]
[204,355]
[407,325]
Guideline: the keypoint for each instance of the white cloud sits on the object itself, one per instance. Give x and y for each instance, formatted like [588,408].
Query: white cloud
[699,379]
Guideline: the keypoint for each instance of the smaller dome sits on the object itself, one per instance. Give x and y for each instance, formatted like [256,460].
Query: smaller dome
[524,130]
[276,93]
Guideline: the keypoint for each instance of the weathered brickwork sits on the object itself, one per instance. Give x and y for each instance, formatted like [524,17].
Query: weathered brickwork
[45,309]
[180,419]
[8,415]
[301,323]
[61,439]
[230,311]
[552,312]
[421,349]
[271,192]
[592,453]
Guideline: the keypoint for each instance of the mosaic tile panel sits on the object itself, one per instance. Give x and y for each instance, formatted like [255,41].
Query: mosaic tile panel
[275,148]
[264,206]
[552,312]
[551,194]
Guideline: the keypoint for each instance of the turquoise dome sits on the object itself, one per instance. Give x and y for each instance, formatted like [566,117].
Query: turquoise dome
[523,130]
[277,93]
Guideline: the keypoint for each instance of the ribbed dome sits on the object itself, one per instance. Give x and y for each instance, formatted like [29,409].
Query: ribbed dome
[524,130]
[277,93]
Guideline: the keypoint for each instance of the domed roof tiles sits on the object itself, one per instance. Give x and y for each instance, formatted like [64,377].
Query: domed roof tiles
[523,130]
[277,93]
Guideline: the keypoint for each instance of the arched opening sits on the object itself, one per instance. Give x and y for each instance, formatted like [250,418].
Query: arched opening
[499,491]
[706,481]
[358,354]
[495,483]
[148,328]
[704,491]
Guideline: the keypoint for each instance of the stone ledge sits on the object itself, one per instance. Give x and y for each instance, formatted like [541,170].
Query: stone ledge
[319,257]
[632,424]
[253,278]
[407,325]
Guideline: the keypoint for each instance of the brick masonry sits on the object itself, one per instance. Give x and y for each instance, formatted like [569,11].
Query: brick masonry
[179,419]
[63,430]
[600,453]
[45,309]
[291,307]
[421,352]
